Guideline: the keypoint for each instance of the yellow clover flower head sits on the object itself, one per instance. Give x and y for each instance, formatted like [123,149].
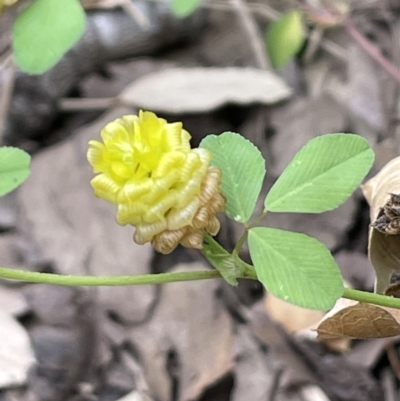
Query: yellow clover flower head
[161,186]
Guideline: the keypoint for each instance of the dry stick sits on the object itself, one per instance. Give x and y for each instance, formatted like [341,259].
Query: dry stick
[5,98]
[257,43]
[276,382]
[70,104]
[389,385]
[262,9]
[372,50]
[393,357]
[252,31]
[393,128]
[270,14]
[136,14]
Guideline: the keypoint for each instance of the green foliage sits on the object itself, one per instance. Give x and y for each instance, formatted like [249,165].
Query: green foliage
[243,171]
[285,38]
[183,8]
[322,175]
[295,267]
[44,31]
[14,168]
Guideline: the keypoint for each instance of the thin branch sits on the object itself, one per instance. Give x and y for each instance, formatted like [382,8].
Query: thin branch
[270,14]
[252,32]
[6,94]
[69,104]
[372,50]
[136,13]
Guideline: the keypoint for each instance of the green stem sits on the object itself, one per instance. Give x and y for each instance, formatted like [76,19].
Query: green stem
[368,297]
[214,252]
[239,244]
[57,279]
[257,220]
[94,281]
[243,238]
[248,271]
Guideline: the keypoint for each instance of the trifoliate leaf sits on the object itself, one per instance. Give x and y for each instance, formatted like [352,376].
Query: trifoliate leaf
[322,175]
[243,171]
[14,168]
[284,38]
[44,31]
[295,267]
[183,8]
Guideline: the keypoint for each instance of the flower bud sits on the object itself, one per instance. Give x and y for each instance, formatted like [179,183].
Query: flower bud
[161,186]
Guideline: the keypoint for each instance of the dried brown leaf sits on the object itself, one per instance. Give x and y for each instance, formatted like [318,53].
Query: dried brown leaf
[359,320]
[383,249]
[196,90]
[190,322]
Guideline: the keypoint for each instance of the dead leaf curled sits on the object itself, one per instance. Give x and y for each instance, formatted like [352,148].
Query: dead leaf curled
[360,321]
[383,249]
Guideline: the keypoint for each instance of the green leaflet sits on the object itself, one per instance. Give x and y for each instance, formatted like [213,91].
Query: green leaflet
[285,38]
[14,168]
[183,8]
[322,175]
[243,171]
[295,267]
[44,31]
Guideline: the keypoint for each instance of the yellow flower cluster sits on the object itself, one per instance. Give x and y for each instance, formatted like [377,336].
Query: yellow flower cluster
[161,186]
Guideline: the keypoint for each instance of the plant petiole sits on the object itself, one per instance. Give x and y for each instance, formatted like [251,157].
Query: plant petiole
[96,281]
[371,298]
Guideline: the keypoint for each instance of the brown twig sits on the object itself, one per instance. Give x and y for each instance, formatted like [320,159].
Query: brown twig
[277,379]
[252,32]
[268,13]
[6,92]
[136,14]
[393,358]
[372,50]
[70,104]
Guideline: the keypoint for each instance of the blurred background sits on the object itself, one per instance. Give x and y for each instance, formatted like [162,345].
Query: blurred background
[334,67]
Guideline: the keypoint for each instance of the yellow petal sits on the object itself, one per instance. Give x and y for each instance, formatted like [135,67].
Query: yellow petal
[145,232]
[178,218]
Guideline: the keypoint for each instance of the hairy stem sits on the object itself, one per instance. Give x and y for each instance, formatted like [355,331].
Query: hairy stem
[372,50]
[368,297]
[96,281]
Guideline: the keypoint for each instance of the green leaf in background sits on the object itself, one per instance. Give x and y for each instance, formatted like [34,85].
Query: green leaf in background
[295,267]
[14,168]
[183,8]
[285,38]
[44,31]
[243,171]
[322,175]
